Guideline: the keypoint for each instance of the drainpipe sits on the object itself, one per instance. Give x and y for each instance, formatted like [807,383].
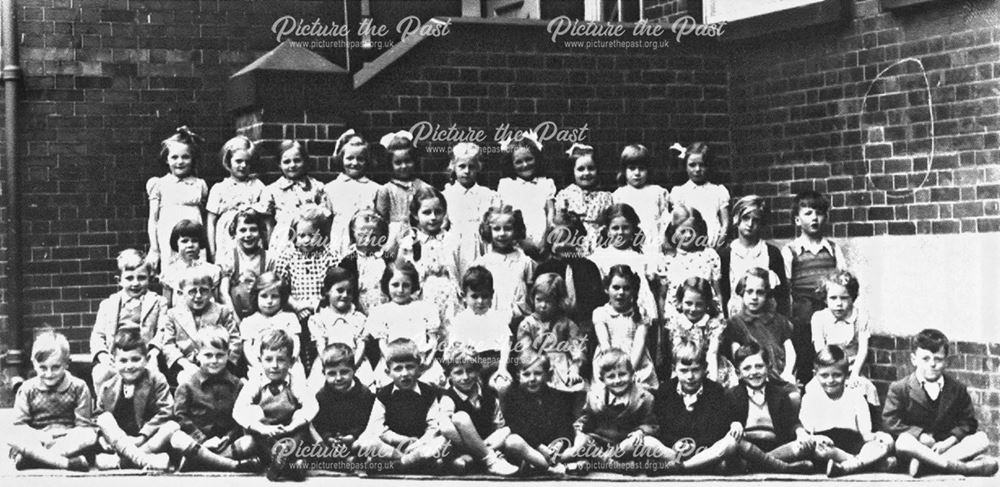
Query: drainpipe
[11,78]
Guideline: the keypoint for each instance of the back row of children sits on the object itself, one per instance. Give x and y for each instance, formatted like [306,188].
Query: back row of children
[215,421]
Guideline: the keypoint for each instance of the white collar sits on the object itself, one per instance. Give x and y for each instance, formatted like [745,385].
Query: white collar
[802,244]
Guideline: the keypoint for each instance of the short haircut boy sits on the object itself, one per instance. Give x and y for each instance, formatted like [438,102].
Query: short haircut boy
[831,356]
[402,350]
[128,339]
[612,359]
[461,357]
[811,199]
[48,342]
[529,358]
[189,229]
[478,279]
[199,274]
[212,336]
[338,355]
[932,340]
[277,339]
[132,259]
[749,350]
[688,353]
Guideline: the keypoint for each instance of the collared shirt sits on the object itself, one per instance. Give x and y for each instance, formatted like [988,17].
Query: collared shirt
[743,258]
[689,399]
[802,244]
[441,410]
[757,396]
[845,333]
[475,398]
[67,404]
[933,388]
[246,410]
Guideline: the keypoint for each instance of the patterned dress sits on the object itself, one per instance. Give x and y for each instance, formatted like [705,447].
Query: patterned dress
[673,269]
[282,200]
[466,207]
[225,199]
[436,260]
[589,204]
[702,333]
[558,339]
[178,199]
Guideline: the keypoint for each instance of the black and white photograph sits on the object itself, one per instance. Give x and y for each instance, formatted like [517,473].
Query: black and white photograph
[509,242]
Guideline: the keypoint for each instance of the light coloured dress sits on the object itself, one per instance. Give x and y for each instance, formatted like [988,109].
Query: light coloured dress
[707,198]
[621,328]
[345,196]
[531,198]
[466,207]
[329,326]
[255,327]
[512,273]
[845,333]
[178,199]
[702,333]
[225,200]
[283,199]
[589,204]
[608,257]
[650,202]
[437,263]
[416,320]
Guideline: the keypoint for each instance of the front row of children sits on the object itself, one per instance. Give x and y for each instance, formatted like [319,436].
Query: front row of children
[690,424]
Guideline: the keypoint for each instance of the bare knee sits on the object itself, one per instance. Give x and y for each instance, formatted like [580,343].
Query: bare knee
[462,419]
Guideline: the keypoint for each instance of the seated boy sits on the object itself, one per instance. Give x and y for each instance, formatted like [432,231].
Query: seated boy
[52,411]
[175,338]
[404,425]
[839,423]
[617,421]
[274,405]
[931,415]
[344,403]
[477,427]
[134,408]
[773,437]
[204,405]
[133,303]
[694,418]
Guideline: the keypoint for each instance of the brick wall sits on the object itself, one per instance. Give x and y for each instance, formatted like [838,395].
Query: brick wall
[104,82]
[844,109]
[975,364]
[482,76]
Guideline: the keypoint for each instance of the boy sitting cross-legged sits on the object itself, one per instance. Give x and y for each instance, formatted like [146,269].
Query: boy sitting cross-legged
[134,408]
[275,406]
[208,434]
[345,405]
[839,423]
[404,426]
[477,427]
[52,411]
[773,438]
[932,417]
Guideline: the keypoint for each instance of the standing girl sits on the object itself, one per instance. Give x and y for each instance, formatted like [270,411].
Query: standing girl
[650,201]
[178,195]
[245,261]
[290,192]
[512,270]
[351,190]
[620,238]
[392,200]
[469,201]
[366,258]
[711,200]
[748,251]
[697,320]
[623,324]
[188,243]
[405,317]
[434,251]
[339,321]
[240,190]
[548,331]
[582,197]
[528,190]
[271,293]
[689,258]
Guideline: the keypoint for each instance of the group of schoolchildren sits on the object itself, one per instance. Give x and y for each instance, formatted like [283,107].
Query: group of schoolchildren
[399,328]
